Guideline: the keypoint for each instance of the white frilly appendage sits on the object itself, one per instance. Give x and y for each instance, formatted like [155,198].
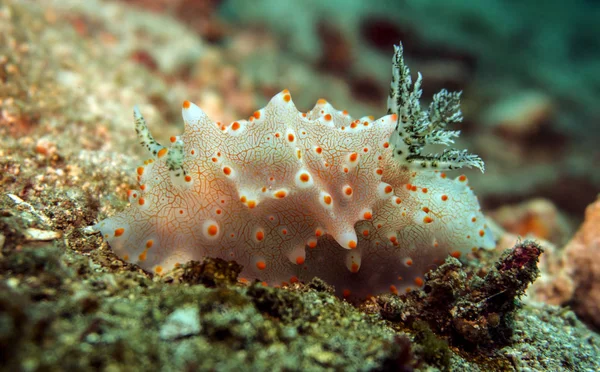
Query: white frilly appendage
[417,128]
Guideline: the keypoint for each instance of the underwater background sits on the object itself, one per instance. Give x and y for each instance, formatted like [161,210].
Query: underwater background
[71,72]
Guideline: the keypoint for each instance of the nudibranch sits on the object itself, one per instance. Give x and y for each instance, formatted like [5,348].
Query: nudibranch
[292,195]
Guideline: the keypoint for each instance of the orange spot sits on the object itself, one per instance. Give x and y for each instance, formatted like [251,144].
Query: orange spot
[425,209]
[455,254]
[365,149]
[264,284]
[388,189]
[353,156]
[280,194]
[218,211]
[142,256]
[321,101]
[304,177]
[158,269]
[277,135]
[414,188]
[348,190]
[143,187]
[284,232]
[328,117]
[443,175]
[214,160]
[365,233]
[287,97]
[227,171]
[424,189]
[462,178]
[312,244]
[304,114]
[212,230]
[408,186]
[393,289]
[294,279]
[149,244]
[345,112]
[141,201]
[186,104]
[318,150]
[379,171]
[409,262]
[318,233]
[393,239]
[386,145]
[256,114]
[352,244]
[119,231]
[481,233]
[427,219]
[291,137]
[126,257]
[346,170]
[444,197]
[473,219]
[327,199]
[367,215]
[261,265]
[285,91]
[418,281]
[299,260]
[172,139]
[235,125]
[353,125]
[140,170]
[354,268]
[398,200]
[188,178]
[251,204]
[162,152]
[346,293]
[394,117]
[243,199]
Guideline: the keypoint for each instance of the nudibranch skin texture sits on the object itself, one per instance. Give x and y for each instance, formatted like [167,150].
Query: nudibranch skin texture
[293,195]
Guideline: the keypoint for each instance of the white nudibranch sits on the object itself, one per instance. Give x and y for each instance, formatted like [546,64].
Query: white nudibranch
[292,195]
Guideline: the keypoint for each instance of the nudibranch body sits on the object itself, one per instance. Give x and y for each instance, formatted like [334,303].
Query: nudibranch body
[293,195]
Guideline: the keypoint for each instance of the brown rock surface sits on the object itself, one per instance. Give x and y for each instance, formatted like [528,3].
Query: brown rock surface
[583,259]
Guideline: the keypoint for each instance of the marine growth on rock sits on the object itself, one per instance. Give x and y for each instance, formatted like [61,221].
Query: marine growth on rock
[292,195]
